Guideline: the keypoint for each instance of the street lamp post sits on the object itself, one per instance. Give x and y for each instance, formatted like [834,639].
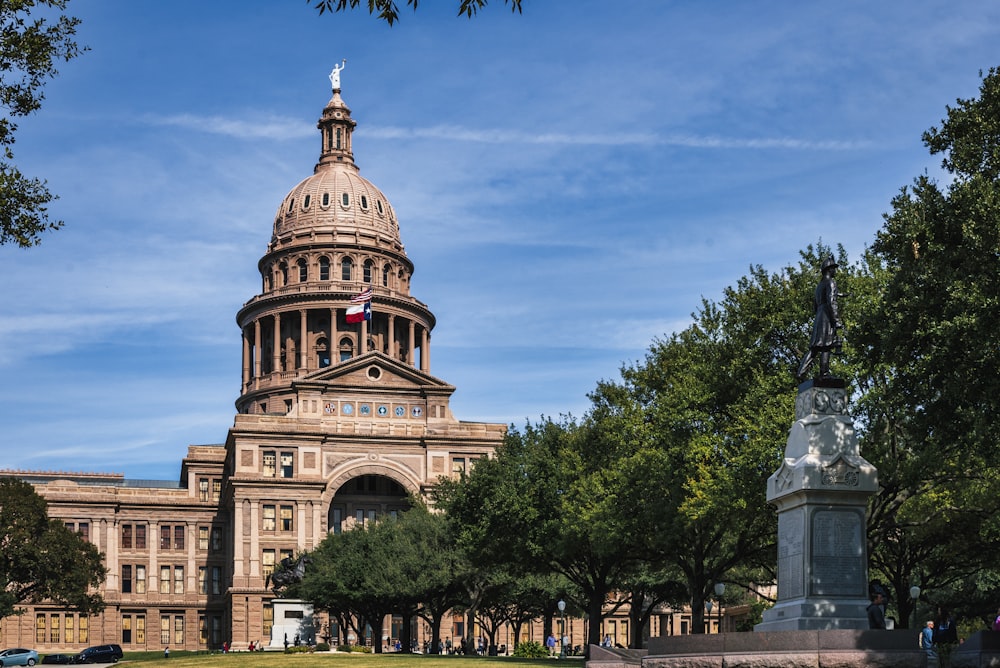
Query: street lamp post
[562,632]
[914,595]
[720,589]
[708,610]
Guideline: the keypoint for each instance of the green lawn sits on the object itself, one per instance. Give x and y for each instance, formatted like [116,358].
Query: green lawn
[338,660]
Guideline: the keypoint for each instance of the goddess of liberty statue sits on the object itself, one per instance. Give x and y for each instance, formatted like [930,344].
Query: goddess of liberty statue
[335,74]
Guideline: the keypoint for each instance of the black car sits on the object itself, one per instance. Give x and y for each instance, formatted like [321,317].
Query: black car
[100,654]
[58,659]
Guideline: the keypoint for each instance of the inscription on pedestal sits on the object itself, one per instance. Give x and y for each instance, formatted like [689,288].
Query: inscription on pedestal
[790,555]
[838,567]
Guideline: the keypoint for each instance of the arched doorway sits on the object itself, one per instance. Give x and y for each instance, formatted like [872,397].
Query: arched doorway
[365,498]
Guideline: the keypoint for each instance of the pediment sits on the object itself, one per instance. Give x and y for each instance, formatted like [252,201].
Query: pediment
[374,372]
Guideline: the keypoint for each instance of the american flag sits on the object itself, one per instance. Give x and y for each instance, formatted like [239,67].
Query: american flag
[361,297]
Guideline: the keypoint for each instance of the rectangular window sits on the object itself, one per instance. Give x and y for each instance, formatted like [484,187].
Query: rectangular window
[268,620]
[83,528]
[267,563]
[202,538]
[458,467]
[126,537]
[216,538]
[164,630]
[179,631]
[39,629]
[216,490]
[140,629]
[216,579]
[140,536]
[164,579]
[179,537]
[287,470]
[140,579]
[203,489]
[202,630]
[286,518]
[202,580]
[338,520]
[217,631]
[70,627]
[126,629]
[284,554]
[55,626]
[359,517]
[84,630]
[371,516]
[164,537]
[126,579]
[178,579]
[268,518]
[269,462]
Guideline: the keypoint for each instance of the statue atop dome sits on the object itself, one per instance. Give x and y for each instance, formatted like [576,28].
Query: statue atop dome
[335,74]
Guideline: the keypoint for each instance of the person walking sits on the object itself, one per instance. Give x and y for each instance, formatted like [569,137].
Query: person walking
[927,643]
[876,612]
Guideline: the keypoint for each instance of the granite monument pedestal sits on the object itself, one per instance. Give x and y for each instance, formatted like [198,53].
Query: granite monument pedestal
[293,618]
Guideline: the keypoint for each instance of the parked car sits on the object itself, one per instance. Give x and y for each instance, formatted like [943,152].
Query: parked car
[18,656]
[58,659]
[100,654]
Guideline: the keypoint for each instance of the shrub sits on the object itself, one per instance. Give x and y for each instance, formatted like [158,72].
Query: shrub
[530,649]
[322,647]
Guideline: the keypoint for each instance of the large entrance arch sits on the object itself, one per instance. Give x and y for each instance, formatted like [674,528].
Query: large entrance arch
[365,498]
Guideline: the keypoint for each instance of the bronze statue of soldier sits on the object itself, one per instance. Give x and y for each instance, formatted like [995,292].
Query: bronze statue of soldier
[825,338]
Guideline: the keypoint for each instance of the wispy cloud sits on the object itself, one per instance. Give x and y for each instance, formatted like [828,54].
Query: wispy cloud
[273,127]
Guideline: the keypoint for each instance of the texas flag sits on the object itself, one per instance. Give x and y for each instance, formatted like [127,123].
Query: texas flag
[359,312]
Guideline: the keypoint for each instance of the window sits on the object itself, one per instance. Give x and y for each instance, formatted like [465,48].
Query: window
[364,202]
[216,538]
[346,269]
[54,628]
[216,579]
[268,524]
[216,490]
[179,537]
[69,628]
[84,630]
[458,467]
[385,276]
[39,629]
[203,489]
[269,460]
[202,630]
[345,199]
[286,465]
[178,579]
[286,518]
[378,205]
[284,554]
[368,271]
[164,630]
[126,538]
[303,271]
[202,538]
[140,536]
[126,629]
[268,620]
[83,528]
[337,523]
[326,199]
[267,563]
[126,579]
[164,537]
[140,579]
[306,201]
[140,629]
[164,579]
[202,580]
[324,269]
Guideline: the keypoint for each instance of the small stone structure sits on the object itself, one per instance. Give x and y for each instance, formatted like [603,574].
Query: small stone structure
[292,618]
[821,491]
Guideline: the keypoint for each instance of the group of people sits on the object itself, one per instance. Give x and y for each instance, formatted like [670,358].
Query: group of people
[937,632]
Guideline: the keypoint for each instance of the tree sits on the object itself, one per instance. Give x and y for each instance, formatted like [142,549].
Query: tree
[388,10]
[29,49]
[40,559]
[931,362]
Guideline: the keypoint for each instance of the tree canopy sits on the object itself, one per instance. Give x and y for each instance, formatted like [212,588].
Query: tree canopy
[388,10]
[30,46]
[42,560]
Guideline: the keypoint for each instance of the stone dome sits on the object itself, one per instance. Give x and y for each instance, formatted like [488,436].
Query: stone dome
[336,199]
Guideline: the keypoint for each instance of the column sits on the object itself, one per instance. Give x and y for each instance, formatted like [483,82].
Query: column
[254,538]
[239,509]
[425,351]
[256,353]
[246,358]
[303,337]
[413,348]
[276,352]
[300,526]
[363,343]
[392,336]
[334,343]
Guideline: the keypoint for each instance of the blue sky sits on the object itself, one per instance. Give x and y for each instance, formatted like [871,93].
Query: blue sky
[569,182]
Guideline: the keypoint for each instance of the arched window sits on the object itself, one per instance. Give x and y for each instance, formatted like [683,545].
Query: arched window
[284,274]
[326,199]
[378,205]
[291,204]
[303,271]
[364,203]
[322,352]
[324,268]
[385,276]
[346,269]
[368,271]
[346,349]
[345,199]
[338,138]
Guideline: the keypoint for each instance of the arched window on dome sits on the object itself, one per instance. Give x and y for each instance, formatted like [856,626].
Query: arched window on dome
[369,265]
[326,200]
[345,199]
[306,201]
[283,269]
[346,269]
[322,352]
[303,271]
[364,203]
[385,276]
[291,204]
[339,143]
[324,268]
[378,205]
[346,349]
